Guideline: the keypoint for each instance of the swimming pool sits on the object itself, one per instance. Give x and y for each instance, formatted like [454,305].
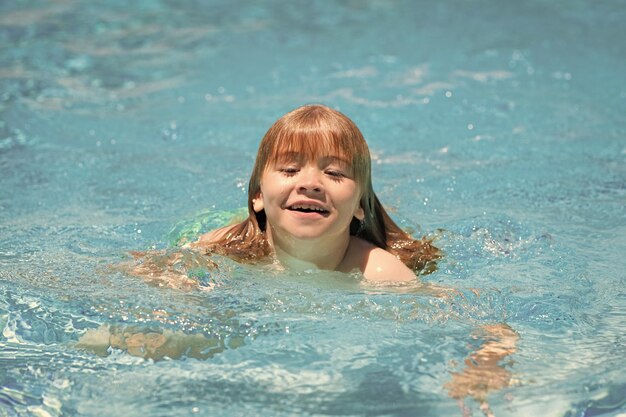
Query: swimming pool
[498,127]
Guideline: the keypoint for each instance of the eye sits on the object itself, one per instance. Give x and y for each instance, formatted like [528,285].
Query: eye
[335,173]
[289,170]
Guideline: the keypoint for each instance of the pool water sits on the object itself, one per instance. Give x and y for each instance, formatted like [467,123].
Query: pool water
[497,127]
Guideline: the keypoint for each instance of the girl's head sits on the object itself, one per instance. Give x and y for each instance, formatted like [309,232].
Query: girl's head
[314,131]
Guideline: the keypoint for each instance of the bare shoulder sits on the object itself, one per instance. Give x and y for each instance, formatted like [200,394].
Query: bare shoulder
[376,264]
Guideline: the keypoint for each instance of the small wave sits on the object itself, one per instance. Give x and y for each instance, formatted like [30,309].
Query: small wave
[491,238]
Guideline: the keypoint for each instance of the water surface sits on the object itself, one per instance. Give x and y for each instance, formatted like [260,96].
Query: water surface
[497,127]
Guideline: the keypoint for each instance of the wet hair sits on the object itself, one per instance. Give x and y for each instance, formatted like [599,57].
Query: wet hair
[310,131]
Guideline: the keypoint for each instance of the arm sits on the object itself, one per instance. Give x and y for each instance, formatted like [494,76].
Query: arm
[482,373]
[149,345]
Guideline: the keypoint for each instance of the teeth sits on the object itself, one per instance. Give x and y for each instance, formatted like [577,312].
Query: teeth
[307,207]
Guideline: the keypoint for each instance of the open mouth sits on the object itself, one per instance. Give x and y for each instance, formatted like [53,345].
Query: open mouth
[308,208]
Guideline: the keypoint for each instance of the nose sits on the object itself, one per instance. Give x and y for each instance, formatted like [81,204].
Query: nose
[310,181]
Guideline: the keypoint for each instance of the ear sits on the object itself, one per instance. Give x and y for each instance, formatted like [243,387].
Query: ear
[257,202]
[359,213]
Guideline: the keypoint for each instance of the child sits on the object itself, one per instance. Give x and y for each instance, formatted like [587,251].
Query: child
[311,205]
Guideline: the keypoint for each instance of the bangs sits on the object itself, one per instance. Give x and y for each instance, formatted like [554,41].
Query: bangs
[309,133]
[311,145]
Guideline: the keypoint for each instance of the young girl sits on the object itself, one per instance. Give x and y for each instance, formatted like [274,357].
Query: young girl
[311,205]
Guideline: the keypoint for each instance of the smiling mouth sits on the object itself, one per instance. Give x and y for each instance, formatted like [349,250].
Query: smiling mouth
[308,208]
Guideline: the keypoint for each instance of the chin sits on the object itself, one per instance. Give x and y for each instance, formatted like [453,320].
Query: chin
[306,234]
[299,232]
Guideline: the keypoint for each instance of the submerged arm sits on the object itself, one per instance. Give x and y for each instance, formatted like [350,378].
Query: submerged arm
[483,373]
[149,345]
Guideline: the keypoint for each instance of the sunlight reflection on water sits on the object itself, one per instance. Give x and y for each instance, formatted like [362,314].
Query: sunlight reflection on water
[497,130]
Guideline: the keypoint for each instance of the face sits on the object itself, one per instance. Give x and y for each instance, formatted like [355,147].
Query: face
[309,200]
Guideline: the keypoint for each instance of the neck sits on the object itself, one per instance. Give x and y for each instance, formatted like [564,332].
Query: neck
[307,254]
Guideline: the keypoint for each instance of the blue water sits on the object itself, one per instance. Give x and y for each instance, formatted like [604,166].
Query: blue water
[496,126]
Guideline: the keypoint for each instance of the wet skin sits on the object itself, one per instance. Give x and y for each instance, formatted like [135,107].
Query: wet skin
[309,207]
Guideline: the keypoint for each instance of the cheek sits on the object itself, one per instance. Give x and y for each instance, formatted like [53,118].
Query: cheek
[350,196]
[273,189]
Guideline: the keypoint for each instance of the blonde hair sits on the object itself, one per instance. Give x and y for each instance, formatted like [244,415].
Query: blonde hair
[314,130]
